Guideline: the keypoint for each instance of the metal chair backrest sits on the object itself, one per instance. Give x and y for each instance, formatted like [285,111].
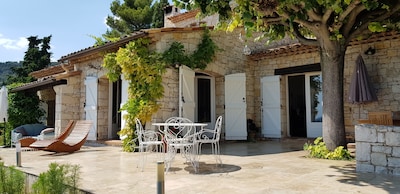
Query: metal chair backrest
[144,136]
[217,128]
[139,131]
[177,131]
[211,135]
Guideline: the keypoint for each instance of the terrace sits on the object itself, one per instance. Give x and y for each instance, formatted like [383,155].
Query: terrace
[261,167]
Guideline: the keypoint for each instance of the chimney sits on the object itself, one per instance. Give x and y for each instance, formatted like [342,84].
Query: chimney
[170,11]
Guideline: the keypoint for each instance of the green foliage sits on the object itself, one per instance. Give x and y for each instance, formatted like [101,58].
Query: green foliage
[128,143]
[176,54]
[319,150]
[143,68]
[11,180]
[129,16]
[23,108]
[60,178]
[5,70]
[36,58]
[158,13]
[7,135]
[203,55]
[334,19]
[376,27]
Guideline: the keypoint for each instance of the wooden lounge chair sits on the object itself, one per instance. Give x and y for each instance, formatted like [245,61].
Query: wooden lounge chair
[71,143]
[378,118]
[27,141]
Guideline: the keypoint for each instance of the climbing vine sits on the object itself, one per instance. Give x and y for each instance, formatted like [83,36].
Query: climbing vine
[199,59]
[143,69]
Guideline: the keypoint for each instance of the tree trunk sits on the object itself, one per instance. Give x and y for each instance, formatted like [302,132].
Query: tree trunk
[332,65]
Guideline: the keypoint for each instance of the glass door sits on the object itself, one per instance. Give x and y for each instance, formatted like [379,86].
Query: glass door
[314,104]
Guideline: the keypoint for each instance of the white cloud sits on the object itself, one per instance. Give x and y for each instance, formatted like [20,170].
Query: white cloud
[11,44]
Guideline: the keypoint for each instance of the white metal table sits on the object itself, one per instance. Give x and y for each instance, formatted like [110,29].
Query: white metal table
[186,143]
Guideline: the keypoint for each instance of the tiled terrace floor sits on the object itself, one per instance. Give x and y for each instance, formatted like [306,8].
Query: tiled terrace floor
[262,167]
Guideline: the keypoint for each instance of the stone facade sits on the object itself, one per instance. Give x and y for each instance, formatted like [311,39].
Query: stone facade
[378,149]
[382,67]
[229,59]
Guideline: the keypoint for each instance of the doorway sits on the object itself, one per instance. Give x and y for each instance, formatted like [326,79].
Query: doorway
[115,108]
[297,106]
[196,96]
[205,105]
[305,105]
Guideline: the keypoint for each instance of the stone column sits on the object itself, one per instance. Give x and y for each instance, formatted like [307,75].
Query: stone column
[67,106]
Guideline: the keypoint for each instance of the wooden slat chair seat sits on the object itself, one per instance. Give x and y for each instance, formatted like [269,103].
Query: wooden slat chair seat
[378,118]
[73,142]
[381,118]
[27,141]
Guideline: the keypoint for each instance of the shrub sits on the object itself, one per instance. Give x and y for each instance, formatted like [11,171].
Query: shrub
[319,150]
[58,179]
[11,180]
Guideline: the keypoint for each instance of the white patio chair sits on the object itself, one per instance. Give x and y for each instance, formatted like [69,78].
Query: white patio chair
[212,137]
[148,141]
[178,138]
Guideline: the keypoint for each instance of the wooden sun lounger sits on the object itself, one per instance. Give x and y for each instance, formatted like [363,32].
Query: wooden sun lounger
[27,141]
[71,143]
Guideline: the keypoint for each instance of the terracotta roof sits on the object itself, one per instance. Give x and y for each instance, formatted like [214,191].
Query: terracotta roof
[52,70]
[39,85]
[97,51]
[298,48]
[184,16]
[293,49]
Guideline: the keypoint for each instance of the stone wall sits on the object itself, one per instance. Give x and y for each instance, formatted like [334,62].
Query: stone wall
[382,67]
[229,59]
[378,149]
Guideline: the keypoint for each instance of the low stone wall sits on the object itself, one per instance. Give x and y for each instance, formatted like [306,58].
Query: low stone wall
[378,149]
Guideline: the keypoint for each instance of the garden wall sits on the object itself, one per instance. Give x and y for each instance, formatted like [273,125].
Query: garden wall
[378,149]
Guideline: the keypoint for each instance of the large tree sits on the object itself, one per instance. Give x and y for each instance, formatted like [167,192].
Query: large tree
[129,16]
[158,15]
[36,58]
[24,106]
[328,24]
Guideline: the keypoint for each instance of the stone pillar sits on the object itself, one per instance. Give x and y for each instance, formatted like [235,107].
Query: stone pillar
[67,106]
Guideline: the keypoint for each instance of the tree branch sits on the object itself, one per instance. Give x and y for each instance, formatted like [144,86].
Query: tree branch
[271,20]
[349,9]
[314,16]
[352,19]
[365,23]
[326,16]
[302,39]
[306,24]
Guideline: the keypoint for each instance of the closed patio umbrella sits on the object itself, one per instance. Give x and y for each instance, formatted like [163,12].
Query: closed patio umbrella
[361,91]
[3,110]
[3,103]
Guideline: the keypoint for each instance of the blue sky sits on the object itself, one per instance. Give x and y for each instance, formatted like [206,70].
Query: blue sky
[69,22]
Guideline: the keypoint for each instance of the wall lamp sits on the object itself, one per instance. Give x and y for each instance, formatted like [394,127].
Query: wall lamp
[370,51]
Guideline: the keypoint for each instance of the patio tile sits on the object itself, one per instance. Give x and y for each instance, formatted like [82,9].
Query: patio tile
[261,167]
